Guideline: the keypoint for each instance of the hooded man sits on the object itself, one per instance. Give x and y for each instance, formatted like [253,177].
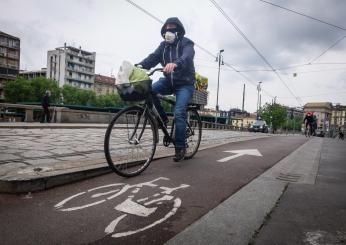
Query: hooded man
[176,55]
[45,105]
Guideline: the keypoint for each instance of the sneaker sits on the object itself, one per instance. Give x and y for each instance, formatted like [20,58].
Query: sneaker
[179,154]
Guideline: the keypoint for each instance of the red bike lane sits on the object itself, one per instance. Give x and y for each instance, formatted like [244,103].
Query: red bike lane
[147,209]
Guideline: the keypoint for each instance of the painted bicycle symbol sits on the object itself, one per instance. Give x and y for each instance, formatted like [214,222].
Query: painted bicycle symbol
[142,207]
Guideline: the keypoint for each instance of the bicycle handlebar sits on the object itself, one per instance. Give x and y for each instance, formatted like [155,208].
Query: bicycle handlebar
[155,70]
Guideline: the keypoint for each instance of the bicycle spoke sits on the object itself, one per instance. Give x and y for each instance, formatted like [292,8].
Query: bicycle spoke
[193,133]
[130,142]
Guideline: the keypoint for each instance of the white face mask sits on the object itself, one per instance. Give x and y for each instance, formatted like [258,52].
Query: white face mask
[170,37]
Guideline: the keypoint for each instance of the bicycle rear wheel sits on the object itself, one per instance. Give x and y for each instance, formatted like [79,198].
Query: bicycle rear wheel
[130,141]
[193,132]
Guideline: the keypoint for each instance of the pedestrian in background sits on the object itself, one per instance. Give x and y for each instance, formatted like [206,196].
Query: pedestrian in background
[45,105]
[341,134]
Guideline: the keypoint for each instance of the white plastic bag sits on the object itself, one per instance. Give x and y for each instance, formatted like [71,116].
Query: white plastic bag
[124,73]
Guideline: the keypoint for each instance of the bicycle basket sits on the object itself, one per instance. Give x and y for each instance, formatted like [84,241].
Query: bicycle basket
[134,91]
[199,98]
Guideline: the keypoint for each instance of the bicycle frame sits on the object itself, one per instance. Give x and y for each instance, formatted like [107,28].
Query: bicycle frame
[151,111]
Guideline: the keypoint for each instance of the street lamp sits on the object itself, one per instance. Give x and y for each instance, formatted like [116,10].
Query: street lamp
[219,59]
[258,96]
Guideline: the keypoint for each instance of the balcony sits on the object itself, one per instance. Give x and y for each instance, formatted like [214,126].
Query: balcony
[80,62]
[79,80]
[79,70]
[12,56]
[6,44]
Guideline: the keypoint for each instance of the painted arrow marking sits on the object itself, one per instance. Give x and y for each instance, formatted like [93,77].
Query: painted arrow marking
[238,153]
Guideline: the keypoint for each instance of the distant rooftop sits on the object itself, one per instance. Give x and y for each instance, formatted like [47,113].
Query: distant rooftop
[319,105]
[8,35]
[32,71]
[74,49]
[105,79]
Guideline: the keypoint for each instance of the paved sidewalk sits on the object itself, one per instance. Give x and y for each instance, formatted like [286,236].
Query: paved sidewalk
[312,214]
[38,156]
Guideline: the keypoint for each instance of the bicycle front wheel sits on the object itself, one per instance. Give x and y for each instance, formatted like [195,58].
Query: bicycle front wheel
[130,141]
[193,132]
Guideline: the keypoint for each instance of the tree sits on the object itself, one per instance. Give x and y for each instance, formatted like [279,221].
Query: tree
[18,90]
[40,85]
[274,115]
[86,97]
[294,124]
[75,96]
[109,100]
[69,95]
[22,90]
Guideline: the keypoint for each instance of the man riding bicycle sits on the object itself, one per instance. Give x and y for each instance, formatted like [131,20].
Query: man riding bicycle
[309,120]
[176,55]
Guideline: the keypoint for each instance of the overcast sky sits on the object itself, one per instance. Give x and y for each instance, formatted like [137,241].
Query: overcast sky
[118,31]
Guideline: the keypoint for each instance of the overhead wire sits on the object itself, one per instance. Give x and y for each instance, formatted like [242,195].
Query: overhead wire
[302,14]
[218,7]
[325,51]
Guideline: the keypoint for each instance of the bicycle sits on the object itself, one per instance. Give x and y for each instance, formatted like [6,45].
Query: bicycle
[132,135]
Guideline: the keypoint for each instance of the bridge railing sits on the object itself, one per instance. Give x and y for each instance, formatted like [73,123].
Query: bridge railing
[76,114]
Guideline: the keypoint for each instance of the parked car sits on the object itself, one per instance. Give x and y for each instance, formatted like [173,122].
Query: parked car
[259,126]
[319,132]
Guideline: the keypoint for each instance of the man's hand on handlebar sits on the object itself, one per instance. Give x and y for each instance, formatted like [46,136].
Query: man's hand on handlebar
[169,68]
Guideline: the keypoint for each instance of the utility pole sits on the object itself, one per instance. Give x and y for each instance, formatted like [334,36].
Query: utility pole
[220,60]
[242,107]
[260,104]
[258,90]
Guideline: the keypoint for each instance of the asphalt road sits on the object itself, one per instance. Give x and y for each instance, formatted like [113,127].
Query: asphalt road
[148,209]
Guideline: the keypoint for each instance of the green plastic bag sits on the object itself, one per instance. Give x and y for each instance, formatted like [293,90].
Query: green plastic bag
[139,79]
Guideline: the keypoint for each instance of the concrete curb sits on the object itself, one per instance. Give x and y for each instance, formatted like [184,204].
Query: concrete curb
[50,125]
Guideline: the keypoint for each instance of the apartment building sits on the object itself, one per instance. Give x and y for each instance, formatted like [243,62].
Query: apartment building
[323,113]
[29,75]
[104,85]
[72,66]
[338,118]
[9,59]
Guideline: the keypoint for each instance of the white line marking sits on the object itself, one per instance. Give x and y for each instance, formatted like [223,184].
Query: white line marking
[85,206]
[60,204]
[131,207]
[104,193]
[177,204]
[110,228]
[143,199]
[104,186]
[238,153]
[164,198]
[168,190]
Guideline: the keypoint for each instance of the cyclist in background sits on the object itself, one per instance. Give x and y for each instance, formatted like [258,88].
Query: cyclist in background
[176,55]
[314,125]
[308,120]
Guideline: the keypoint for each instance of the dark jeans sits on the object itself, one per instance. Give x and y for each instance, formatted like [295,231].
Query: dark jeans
[183,95]
[46,115]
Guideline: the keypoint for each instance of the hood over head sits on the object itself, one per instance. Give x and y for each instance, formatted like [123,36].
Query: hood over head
[173,20]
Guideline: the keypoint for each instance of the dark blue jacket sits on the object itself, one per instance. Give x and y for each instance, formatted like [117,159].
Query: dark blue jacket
[181,52]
